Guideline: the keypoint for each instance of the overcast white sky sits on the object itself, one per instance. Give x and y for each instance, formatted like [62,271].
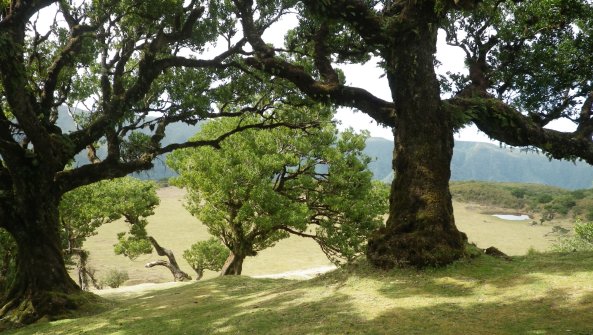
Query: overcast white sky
[368,76]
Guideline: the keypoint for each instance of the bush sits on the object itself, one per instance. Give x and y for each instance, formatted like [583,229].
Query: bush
[519,193]
[589,215]
[206,255]
[114,278]
[579,194]
[581,241]
[544,198]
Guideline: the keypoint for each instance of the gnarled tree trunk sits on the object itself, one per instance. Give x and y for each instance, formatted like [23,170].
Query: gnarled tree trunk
[420,230]
[42,286]
[178,274]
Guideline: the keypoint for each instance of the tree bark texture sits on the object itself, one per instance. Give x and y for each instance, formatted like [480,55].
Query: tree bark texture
[420,230]
[42,286]
[233,265]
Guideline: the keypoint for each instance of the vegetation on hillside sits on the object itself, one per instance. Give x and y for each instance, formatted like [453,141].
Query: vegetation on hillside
[546,201]
[582,240]
[494,163]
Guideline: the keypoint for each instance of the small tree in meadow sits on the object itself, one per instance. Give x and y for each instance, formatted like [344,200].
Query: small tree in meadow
[136,201]
[206,255]
[86,208]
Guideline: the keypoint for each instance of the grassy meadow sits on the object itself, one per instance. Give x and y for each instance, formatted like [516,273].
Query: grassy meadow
[174,228]
[533,294]
[536,292]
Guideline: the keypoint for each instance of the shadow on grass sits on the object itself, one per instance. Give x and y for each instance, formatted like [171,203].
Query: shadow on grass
[553,313]
[359,300]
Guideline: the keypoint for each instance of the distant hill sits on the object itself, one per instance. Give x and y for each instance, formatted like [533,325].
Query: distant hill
[471,161]
[175,133]
[489,162]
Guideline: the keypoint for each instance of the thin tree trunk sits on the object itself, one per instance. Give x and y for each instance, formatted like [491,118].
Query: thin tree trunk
[199,273]
[233,265]
[84,272]
[420,230]
[178,274]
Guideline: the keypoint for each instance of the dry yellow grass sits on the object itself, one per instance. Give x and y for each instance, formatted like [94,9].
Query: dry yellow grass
[511,237]
[176,229]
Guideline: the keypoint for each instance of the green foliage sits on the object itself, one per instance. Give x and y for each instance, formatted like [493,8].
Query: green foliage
[131,245]
[261,186]
[561,204]
[589,215]
[114,278]
[518,193]
[206,255]
[544,198]
[581,241]
[7,260]
[84,209]
[135,146]
[138,199]
[549,202]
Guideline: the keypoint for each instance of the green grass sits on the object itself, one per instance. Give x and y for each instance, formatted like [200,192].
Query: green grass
[534,294]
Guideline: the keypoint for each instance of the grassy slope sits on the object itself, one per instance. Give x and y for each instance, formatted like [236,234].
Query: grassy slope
[176,229]
[535,294]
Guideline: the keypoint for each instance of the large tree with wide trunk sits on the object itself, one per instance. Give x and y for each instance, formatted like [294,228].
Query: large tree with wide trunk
[119,67]
[528,63]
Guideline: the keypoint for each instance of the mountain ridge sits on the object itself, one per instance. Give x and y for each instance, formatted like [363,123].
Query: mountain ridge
[471,161]
[489,162]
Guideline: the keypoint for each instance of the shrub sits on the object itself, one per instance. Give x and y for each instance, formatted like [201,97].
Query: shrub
[544,198]
[589,215]
[579,194]
[582,240]
[519,193]
[206,255]
[114,278]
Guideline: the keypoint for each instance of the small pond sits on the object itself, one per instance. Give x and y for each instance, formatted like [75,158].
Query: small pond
[512,217]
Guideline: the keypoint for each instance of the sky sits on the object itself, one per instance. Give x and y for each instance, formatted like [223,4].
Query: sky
[369,77]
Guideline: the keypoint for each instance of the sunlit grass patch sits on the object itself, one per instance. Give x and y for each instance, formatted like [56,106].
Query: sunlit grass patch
[541,293]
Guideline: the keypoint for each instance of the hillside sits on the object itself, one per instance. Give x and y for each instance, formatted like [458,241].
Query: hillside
[471,161]
[489,162]
[534,294]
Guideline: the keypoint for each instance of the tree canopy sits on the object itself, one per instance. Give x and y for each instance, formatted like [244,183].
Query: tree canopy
[121,62]
[262,186]
[124,70]
[528,63]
